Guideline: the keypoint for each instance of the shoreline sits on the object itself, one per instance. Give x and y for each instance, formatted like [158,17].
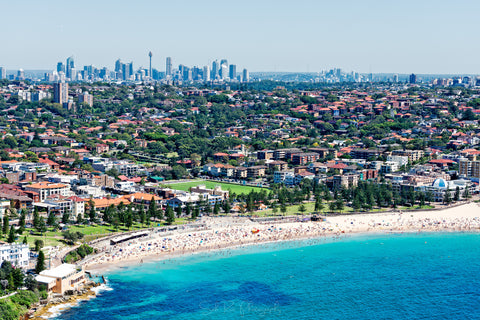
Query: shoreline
[233,233]
[238,233]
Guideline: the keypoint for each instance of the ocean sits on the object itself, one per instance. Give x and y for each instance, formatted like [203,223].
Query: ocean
[407,276]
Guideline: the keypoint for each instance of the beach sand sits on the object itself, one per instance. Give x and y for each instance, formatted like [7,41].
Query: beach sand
[228,232]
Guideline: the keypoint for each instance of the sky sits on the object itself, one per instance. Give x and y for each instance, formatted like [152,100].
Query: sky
[379,36]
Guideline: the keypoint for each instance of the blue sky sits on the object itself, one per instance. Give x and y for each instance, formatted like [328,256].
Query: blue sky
[422,36]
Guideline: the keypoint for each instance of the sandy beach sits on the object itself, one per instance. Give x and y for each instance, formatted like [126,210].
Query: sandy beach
[226,232]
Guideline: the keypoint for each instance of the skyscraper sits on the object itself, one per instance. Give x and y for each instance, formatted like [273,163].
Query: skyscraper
[3,73]
[69,66]
[168,67]
[60,92]
[413,78]
[206,73]
[246,76]
[150,70]
[395,78]
[232,72]
[215,67]
[60,67]
[223,71]
[20,74]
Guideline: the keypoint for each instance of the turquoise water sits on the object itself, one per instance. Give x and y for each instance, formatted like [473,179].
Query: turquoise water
[426,276]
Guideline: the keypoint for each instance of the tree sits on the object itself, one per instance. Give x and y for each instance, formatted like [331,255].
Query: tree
[11,236]
[466,193]
[51,218]
[456,196]
[142,215]
[72,236]
[129,220]
[332,206]
[170,215]
[339,204]
[216,208]
[65,217]
[283,209]
[152,208]
[38,244]
[36,217]
[40,266]
[79,218]
[447,198]
[21,222]
[188,209]
[302,208]
[25,240]
[196,212]
[18,277]
[41,227]
[226,206]
[92,213]
[178,211]
[6,225]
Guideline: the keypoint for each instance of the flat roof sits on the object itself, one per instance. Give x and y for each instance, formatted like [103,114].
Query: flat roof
[60,271]
[43,279]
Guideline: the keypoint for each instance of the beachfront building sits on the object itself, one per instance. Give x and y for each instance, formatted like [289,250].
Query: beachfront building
[62,278]
[440,187]
[17,254]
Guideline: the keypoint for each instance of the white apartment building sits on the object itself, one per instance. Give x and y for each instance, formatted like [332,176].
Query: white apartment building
[17,254]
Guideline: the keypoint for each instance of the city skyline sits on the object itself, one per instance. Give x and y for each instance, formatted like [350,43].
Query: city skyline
[305,36]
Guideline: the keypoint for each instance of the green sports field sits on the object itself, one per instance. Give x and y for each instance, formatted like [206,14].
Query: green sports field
[238,189]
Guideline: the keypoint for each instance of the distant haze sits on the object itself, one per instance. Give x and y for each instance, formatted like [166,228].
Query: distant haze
[421,36]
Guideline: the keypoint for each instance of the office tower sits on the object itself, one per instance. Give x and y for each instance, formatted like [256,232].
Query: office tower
[233,72]
[3,73]
[85,97]
[395,78]
[118,65]
[246,76]
[168,67]
[150,69]
[60,92]
[224,62]
[223,71]
[70,65]
[215,67]
[206,73]
[60,67]
[127,70]
[20,74]
[413,78]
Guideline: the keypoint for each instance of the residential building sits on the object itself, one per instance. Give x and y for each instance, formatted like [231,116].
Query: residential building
[347,181]
[469,169]
[46,189]
[17,254]
[413,155]
[60,92]
[304,158]
[86,98]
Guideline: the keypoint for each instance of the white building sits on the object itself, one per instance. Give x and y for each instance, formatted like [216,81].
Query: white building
[401,160]
[389,167]
[17,254]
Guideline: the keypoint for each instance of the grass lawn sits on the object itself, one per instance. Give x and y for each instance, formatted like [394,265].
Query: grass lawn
[237,188]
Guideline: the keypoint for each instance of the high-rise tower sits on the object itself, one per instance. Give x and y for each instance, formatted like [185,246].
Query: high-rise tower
[150,70]
[168,67]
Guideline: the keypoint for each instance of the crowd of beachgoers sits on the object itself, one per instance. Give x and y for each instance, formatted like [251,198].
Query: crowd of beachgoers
[223,232]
